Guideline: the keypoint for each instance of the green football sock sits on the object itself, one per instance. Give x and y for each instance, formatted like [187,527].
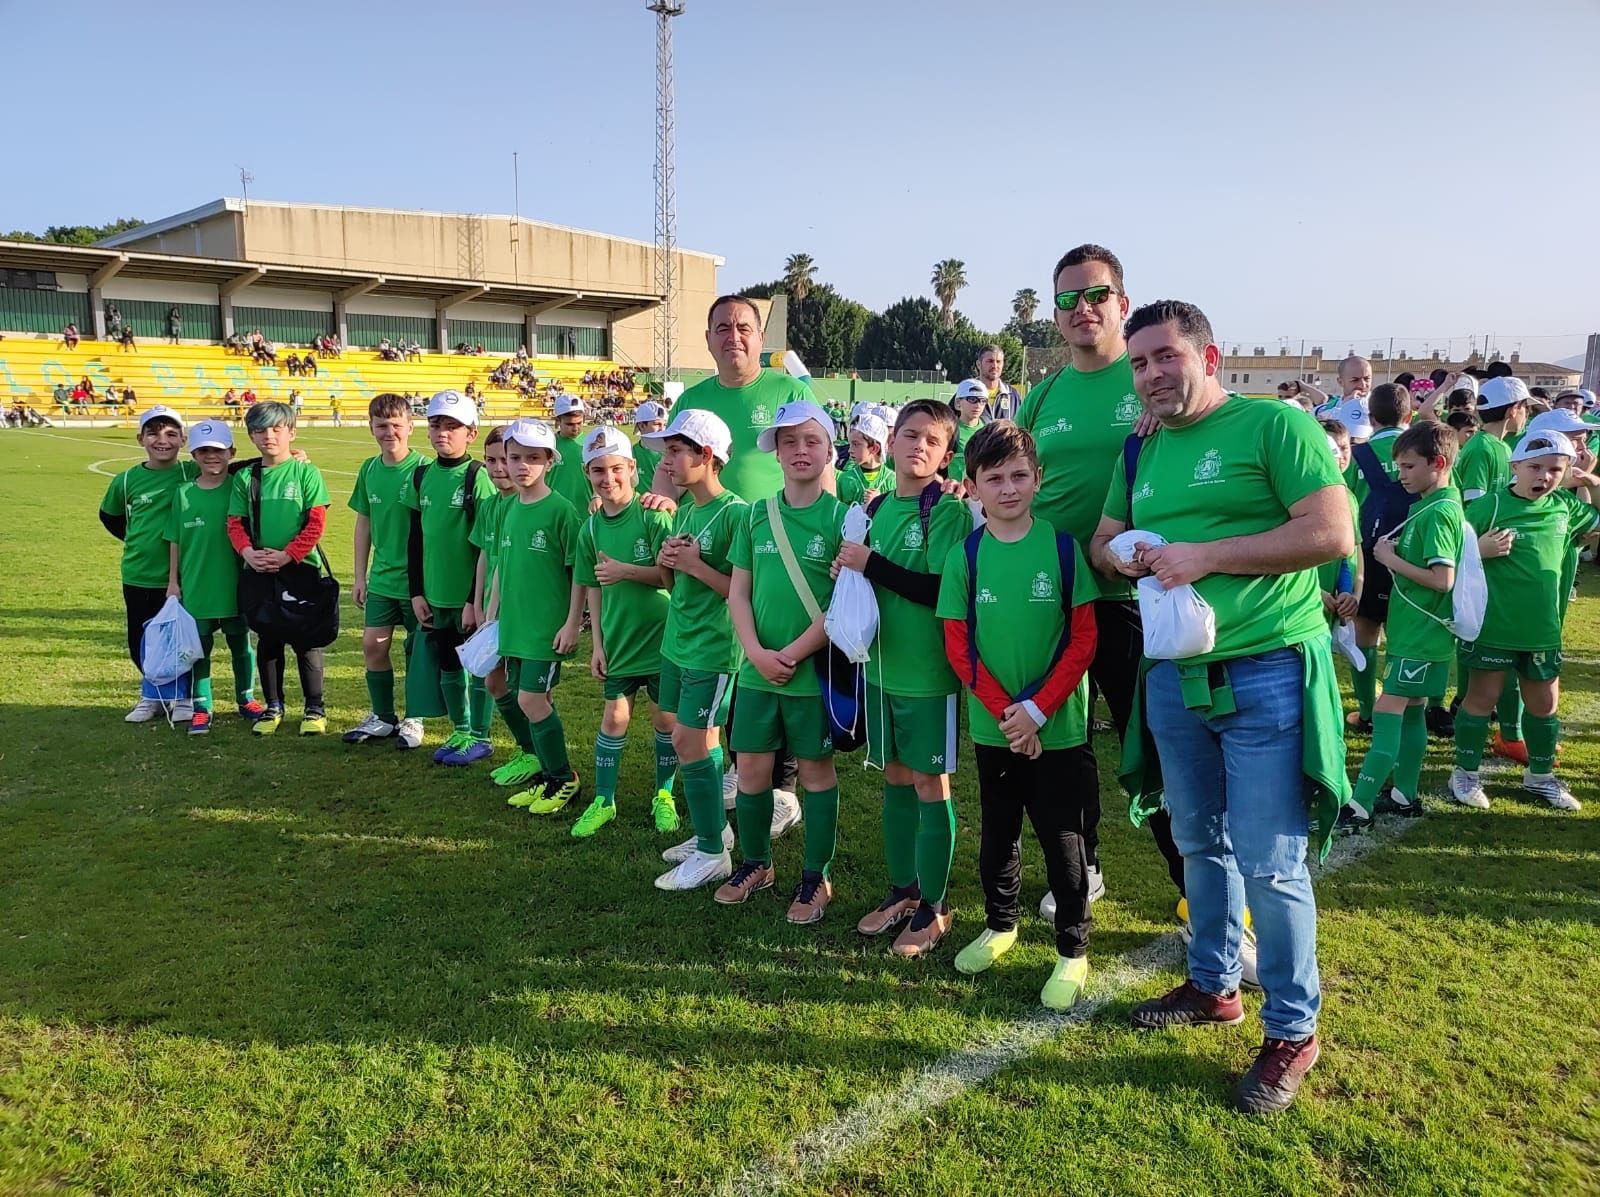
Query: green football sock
[900,821]
[936,847]
[607,763]
[516,720]
[454,688]
[200,675]
[244,666]
[1365,683]
[1413,748]
[822,828]
[1543,732]
[480,707]
[755,826]
[666,762]
[1462,670]
[718,762]
[1509,708]
[550,742]
[380,692]
[702,794]
[1379,761]
[1472,733]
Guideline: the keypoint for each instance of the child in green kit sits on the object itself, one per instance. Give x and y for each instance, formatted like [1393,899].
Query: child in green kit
[1339,580]
[1421,555]
[440,568]
[648,418]
[381,588]
[617,550]
[1529,527]
[788,541]
[569,481]
[911,689]
[203,570]
[539,609]
[698,654]
[294,512]
[970,399]
[866,476]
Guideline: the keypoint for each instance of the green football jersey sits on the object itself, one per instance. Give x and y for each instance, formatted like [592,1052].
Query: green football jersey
[1526,602]
[539,545]
[750,473]
[699,634]
[853,482]
[958,463]
[449,562]
[379,494]
[208,566]
[1382,446]
[633,616]
[144,498]
[567,478]
[815,533]
[1431,536]
[485,534]
[1482,467]
[289,490]
[1237,472]
[908,655]
[1020,621]
[647,460]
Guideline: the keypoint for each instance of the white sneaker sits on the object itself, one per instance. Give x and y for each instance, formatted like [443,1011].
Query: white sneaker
[785,812]
[409,732]
[730,789]
[145,710]
[1248,977]
[183,712]
[679,853]
[702,868]
[1466,789]
[1551,788]
[1097,890]
[370,728]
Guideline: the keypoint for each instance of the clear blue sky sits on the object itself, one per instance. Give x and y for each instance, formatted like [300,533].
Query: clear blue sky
[1278,163]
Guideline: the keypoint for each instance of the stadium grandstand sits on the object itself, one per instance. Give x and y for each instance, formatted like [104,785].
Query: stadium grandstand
[451,296]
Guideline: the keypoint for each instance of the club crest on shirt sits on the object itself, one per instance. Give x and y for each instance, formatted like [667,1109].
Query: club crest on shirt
[1209,467]
[914,537]
[705,541]
[1127,410]
[540,541]
[760,415]
[641,549]
[1043,587]
[291,492]
[816,548]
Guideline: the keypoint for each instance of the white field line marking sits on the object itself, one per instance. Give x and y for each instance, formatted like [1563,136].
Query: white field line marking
[932,1085]
[88,440]
[83,440]
[94,466]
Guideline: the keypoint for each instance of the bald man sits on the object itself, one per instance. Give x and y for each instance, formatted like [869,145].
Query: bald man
[1350,409]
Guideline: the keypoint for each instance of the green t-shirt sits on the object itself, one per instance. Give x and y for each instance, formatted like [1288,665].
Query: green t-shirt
[815,533]
[1382,446]
[288,491]
[567,479]
[958,463]
[485,534]
[1526,601]
[1328,571]
[449,562]
[208,566]
[1079,420]
[1483,466]
[1431,536]
[539,543]
[908,655]
[750,473]
[633,616]
[379,495]
[144,498]
[699,634]
[647,460]
[853,482]
[1020,621]
[1235,473]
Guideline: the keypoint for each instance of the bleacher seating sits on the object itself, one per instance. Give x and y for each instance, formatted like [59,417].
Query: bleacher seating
[193,378]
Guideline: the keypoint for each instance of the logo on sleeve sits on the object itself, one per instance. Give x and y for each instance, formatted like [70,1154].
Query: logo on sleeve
[1043,588]
[1208,469]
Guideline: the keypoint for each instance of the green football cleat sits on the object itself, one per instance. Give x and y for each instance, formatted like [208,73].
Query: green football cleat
[599,813]
[268,723]
[550,795]
[664,810]
[519,769]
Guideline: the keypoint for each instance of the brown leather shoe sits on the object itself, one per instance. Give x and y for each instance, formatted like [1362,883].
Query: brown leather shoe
[900,905]
[1188,1006]
[749,879]
[811,898]
[1274,1079]
[922,935]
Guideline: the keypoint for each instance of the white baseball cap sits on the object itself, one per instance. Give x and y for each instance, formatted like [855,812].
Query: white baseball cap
[1502,392]
[454,405]
[792,415]
[1542,445]
[1464,382]
[530,434]
[698,427]
[1353,414]
[649,410]
[161,412]
[874,429]
[606,441]
[210,434]
[1558,419]
[567,404]
[973,388]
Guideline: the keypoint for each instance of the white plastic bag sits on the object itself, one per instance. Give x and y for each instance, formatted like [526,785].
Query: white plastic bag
[1178,623]
[171,644]
[480,652]
[1126,544]
[852,619]
[1344,643]
[1469,598]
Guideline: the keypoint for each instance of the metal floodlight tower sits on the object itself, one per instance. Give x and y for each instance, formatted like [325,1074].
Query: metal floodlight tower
[666,188]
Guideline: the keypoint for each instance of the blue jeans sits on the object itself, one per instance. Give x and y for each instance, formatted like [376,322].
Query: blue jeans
[1236,793]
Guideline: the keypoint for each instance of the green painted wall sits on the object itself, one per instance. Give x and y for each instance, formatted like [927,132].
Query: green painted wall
[283,325]
[369,330]
[201,321]
[44,311]
[587,342]
[496,336]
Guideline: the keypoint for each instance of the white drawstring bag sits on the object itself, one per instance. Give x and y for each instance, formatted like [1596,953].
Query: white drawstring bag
[1344,643]
[1178,623]
[479,653]
[1469,597]
[171,645]
[852,619]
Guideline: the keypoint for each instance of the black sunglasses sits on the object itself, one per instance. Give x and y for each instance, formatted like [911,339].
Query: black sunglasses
[1068,300]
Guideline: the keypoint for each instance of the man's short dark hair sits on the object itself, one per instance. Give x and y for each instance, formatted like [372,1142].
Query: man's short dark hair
[1499,370]
[936,410]
[997,443]
[1462,418]
[1461,400]
[1080,254]
[722,299]
[991,347]
[387,406]
[1191,321]
[1389,404]
[1429,439]
[697,450]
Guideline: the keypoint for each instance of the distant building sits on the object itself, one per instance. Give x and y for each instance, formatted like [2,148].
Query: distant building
[1257,372]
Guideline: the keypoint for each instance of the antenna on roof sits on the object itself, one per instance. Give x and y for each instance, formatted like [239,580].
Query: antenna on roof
[245,179]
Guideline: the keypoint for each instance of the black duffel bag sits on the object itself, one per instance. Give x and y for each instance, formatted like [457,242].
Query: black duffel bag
[299,604]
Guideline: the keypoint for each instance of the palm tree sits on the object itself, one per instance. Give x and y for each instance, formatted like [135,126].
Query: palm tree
[949,276]
[798,271]
[1023,305]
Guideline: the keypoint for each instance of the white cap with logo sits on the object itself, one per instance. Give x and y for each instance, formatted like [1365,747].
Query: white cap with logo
[1353,414]
[792,415]
[649,410]
[567,404]
[532,434]
[606,441]
[874,429]
[161,412]
[698,427]
[210,434]
[973,388]
[1542,445]
[455,406]
[1502,392]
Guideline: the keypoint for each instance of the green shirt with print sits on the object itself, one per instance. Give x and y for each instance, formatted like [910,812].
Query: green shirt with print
[1020,621]
[633,616]
[647,460]
[853,482]
[485,534]
[379,494]
[1526,602]
[750,473]
[143,497]
[908,654]
[1235,472]
[449,562]
[208,566]
[1483,466]
[1079,420]
[539,543]
[566,477]
[815,533]
[1431,536]
[958,463]
[699,634]
[289,490]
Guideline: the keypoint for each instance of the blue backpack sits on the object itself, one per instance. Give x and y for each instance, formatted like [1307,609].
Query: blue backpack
[1066,560]
[1387,503]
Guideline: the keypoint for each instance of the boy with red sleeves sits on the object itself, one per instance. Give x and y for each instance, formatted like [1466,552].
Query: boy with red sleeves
[1016,601]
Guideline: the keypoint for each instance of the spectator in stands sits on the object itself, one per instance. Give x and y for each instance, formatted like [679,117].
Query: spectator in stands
[113,323]
[230,404]
[87,387]
[308,366]
[522,353]
[63,396]
[413,352]
[129,397]
[234,343]
[69,335]
[292,364]
[248,399]
[127,339]
[174,324]
[266,353]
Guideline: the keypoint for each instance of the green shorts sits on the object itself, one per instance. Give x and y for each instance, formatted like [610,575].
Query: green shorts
[233,625]
[531,677]
[384,612]
[1410,678]
[765,722]
[696,697]
[919,733]
[627,687]
[1540,666]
